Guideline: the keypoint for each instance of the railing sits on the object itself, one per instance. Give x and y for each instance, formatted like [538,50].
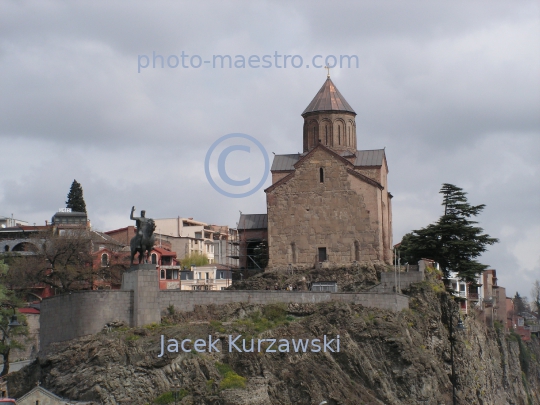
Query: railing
[204,281]
[473,296]
[177,267]
[534,328]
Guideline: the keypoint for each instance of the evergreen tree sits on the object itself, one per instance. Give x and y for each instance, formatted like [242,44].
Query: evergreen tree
[260,254]
[454,241]
[535,296]
[521,304]
[75,199]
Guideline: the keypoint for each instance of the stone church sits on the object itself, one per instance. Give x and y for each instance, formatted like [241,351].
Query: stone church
[329,204]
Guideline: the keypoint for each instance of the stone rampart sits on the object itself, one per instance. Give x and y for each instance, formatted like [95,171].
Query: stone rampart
[140,302]
[185,301]
[404,279]
[69,316]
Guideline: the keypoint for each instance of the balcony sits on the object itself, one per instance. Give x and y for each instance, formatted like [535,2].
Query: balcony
[473,296]
[205,281]
[177,267]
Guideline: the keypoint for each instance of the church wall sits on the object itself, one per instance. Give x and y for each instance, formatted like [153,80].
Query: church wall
[373,245]
[326,125]
[333,214]
[277,176]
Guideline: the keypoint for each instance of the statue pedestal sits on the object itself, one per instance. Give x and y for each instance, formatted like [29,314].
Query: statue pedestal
[143,280]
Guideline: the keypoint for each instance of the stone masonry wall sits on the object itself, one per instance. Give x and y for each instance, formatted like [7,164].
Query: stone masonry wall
[68,316]
[186,300]
[143,280]
[338,214]
[140,302]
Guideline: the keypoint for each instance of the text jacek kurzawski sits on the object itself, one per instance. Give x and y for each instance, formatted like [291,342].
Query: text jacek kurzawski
[237,344]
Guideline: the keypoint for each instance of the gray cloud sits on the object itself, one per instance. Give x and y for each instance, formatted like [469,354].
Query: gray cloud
[451,89]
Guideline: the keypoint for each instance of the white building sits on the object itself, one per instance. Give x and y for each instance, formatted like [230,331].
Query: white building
[188,236]
[10,222]
[205,278]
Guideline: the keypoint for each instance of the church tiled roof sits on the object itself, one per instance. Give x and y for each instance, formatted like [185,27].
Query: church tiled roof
[328,99]
[253,221]
[363,158]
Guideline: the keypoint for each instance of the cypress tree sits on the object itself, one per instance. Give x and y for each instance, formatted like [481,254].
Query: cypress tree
[454,241]
[75,199]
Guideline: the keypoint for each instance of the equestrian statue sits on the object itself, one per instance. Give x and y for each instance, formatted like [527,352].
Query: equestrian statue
[144,240]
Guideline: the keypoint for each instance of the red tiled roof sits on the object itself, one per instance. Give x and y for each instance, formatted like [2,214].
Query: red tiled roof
[164,252]
[28,310]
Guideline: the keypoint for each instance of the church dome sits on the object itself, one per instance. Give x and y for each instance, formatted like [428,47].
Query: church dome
[328,99]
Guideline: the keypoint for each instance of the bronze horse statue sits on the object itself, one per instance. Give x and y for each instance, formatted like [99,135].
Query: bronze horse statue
[143,241]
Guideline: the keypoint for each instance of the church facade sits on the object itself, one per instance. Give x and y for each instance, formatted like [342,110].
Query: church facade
[330,203]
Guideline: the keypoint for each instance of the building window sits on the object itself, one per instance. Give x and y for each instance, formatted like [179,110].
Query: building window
[104,260]
[162,275]
[293,251]
[207,276]
[321,175]
[326,133]
[172,274]
[154,258]
[339,135]
[356,251]
[322,254]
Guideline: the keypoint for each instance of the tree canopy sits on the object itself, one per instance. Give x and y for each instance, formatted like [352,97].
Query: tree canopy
[75,199]
[10,337]
[454,241]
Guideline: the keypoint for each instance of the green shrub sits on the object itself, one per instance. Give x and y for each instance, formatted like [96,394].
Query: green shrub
[132,338]
[168,397]
[223,368]
[275,313]
[232,380]
[218,326]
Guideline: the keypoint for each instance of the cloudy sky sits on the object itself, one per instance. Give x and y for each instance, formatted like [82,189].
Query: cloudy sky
[450,88]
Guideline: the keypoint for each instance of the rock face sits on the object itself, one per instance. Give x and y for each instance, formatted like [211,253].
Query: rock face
[353,278]
[384,358]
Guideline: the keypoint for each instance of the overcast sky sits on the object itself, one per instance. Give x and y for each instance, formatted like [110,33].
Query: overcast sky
[450,88]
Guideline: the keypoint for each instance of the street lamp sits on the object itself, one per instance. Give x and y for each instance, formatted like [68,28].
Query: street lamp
[460,327]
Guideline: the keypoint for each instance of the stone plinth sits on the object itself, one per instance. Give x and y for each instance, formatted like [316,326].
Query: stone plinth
[142,279]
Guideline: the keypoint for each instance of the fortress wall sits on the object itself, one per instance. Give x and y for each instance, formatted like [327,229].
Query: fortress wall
[185,301]
[405,279]
[69,316]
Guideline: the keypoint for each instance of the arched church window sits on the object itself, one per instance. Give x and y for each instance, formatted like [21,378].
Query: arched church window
[326,133]
[154,258]
[339,134]
[356,251]
[104,260]
[321,175]
[293,251]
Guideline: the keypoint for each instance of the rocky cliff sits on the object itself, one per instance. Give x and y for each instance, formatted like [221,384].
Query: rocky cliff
[384,358]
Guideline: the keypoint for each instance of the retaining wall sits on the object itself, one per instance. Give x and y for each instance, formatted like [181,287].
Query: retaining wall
[68,316]
[140,302]
[186,300]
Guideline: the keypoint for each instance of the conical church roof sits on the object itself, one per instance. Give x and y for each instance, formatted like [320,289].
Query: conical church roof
[328,99]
